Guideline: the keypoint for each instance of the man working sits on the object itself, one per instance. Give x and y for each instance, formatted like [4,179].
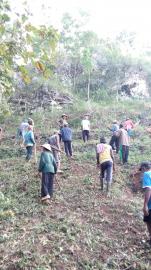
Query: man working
[105,160]
[124,143]
[66,134]
[114,142]
[55,141]
[62,122]
[129,125]
[85,128]
[145,168]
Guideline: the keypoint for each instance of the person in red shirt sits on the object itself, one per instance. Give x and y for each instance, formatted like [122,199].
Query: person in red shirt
[129,125]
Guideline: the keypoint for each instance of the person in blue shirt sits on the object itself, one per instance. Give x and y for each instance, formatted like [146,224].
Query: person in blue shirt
[114,142]
[146,185]
[66,135]
[29,142]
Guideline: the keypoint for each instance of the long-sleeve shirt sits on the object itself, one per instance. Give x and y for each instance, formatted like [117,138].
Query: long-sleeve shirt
[29,138]
[123,136]
[66,134]
[47,163]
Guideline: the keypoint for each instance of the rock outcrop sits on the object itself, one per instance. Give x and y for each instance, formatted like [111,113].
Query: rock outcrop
[42,98]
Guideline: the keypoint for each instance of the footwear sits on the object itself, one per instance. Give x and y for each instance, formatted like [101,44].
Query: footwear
[45,198]
[59,171]
[47,201]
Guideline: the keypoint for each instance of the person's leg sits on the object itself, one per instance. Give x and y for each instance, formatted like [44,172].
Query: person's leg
[123,153]
[29,152]
[117,144]
[83,135]
[109,172]
[45,186]
[87,134]
[102,171]
[50,183]
[126,153]
[70,148]
[66,148]
[149,229]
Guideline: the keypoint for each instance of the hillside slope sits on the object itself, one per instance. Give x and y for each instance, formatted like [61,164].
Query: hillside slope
[82,228]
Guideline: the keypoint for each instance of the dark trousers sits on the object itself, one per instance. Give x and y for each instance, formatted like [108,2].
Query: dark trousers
[106,171]
[29,152]
[47,184]
[114,142]
[68,148]
[125,153]
[85,135]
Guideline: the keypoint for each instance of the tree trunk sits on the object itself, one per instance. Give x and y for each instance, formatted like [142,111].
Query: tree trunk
[88,89]
[74,76]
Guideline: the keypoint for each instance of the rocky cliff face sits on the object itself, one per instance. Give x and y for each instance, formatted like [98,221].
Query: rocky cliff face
[134,85]
[42,98]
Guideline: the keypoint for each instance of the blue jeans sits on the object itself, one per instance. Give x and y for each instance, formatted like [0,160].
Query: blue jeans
[47,184]
[68,148]
[29,152]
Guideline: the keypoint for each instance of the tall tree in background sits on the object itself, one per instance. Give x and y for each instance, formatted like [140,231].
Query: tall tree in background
[22,44]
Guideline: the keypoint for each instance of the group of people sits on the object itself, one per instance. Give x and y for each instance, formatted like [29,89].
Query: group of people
[49,163]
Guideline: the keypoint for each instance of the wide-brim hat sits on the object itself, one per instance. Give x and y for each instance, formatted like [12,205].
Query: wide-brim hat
[47,146]
[145,165]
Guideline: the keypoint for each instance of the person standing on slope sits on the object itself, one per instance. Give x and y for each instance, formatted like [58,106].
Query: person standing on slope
[105,160]
[54,140]
[145,168]
[124,143]
[85,124]
[66,134]
[114,142]
[29,142]
[47,170]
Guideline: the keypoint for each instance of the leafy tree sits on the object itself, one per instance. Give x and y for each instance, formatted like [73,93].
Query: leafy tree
[21,45]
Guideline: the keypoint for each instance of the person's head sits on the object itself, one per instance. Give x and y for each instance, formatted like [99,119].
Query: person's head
[64,116]
[86,116]
[102,140]
[56,132]
[115,122]
[127,118]
[30,127]
[30,121]
[121,126]
[145,166]
[46,147]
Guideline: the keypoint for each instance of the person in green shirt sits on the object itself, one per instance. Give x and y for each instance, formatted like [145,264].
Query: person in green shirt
[47,170]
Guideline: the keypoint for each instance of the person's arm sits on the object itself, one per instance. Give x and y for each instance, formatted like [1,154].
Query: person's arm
[146,200]
[132,124]
[117,133]
[97,156]
[55,165]
[32,138]
[41,164]
[112,156]
[58,142]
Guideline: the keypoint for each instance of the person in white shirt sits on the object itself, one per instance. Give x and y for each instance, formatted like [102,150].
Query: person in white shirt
[85,128]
